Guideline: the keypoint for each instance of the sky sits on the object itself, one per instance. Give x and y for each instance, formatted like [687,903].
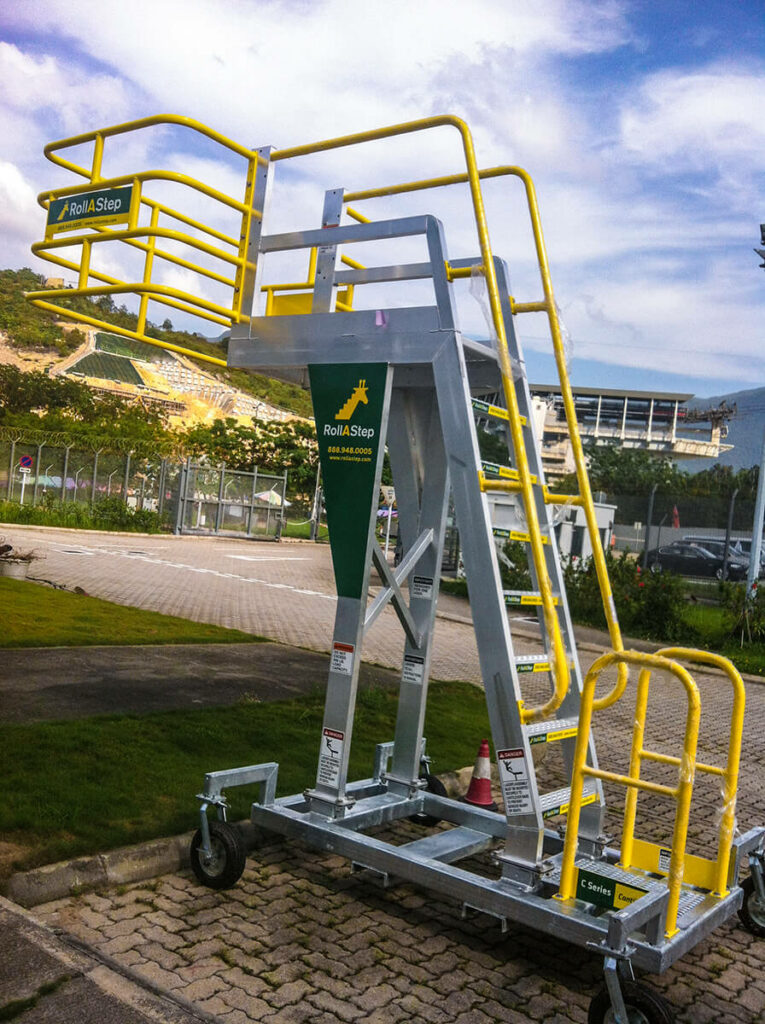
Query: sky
[641,124]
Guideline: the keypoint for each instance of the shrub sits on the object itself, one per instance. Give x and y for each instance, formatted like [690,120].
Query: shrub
[107,514]
[647,605]
[747,610]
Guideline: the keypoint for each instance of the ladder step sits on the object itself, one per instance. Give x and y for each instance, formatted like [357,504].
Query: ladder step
[504,472]
[519,535]
[494,411]
[546,732]
[518,597]
[532,663]
[556,802]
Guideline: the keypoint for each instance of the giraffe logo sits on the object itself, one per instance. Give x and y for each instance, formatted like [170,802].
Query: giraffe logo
[64,210]
[359,395]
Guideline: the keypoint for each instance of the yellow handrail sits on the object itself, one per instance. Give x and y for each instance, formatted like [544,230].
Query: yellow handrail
[681,793]
[584,498]
[144,238]
[729,773]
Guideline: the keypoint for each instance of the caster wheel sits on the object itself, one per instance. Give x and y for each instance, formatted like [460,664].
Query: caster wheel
[644,1006]
[752,911]
[434,785]
[226,865]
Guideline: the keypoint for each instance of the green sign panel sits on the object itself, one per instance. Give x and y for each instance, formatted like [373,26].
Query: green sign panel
[349,400]
[606,892]
[89,209]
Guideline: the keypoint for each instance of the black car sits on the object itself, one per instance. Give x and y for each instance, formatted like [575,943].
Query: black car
[693,560]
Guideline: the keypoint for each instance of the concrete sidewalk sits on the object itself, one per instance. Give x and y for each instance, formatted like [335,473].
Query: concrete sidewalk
[47,977]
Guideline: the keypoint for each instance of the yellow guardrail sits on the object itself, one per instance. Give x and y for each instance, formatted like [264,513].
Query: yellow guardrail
[144,237]
[559,662]
[547,305]
[686,764]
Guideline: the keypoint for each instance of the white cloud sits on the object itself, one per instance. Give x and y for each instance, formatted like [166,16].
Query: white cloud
[642,184]
[706,122]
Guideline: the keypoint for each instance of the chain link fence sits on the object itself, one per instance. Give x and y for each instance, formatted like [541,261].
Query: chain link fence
[187,498]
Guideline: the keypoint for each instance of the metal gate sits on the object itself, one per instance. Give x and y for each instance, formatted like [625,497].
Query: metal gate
[230,502]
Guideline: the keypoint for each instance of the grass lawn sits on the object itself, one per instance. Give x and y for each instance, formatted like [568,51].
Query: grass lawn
[36,616]
[303,530]
[81,787]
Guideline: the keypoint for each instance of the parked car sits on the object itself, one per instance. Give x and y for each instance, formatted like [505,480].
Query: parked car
[739,550]
[693,560]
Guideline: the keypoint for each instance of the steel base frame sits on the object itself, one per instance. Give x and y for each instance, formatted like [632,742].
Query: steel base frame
[633,936]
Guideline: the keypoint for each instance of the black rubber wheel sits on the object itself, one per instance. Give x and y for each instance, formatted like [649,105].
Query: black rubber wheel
[644,1006]
[752,910]
[719,573]
[229,856]
[655,567]
[434,785]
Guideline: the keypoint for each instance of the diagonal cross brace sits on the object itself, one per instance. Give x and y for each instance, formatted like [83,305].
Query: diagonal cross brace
[392,586]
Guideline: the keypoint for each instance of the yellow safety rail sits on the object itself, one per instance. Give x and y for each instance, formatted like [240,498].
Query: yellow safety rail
[708,874]
[559,662]
[686,765]
[145,237]
[547,305]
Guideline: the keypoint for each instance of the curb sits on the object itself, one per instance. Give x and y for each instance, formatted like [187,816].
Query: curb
[138,863]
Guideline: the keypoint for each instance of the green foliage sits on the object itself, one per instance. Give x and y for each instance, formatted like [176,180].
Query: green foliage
[647,605]
[107,514]
[25,325]
[514,566]
[272,446]
[618,470]
[493,447]
[747,611]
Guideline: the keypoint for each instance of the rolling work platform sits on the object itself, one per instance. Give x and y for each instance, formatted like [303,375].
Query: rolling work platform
[403,376]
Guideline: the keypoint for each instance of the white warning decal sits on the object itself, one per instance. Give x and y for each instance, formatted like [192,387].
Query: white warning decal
[342,658]
[330,757]
[514,778]
[421,586]
[414,669]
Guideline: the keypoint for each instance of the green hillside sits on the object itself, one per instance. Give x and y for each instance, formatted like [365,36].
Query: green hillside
[28,327]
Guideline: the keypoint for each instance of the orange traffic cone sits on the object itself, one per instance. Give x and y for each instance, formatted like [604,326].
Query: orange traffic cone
[479,790]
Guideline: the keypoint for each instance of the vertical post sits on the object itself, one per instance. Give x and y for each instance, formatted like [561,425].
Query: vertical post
[37,473]
[181,500]
[126,478]
[727,533]
[64,471]
[650,422]
[11,467]
[316,510]
[252,500]
[95,475]
[648,521]
[624,418]
[597,417]
[219,509]
[759,509]
[162,477]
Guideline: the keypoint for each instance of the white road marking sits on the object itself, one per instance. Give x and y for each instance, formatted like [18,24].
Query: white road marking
[194,568]
[268,558]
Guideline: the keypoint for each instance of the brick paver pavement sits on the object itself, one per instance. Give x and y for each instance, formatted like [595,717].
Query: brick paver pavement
[302,939]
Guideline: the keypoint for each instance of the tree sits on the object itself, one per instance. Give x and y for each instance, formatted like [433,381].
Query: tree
[618,470]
